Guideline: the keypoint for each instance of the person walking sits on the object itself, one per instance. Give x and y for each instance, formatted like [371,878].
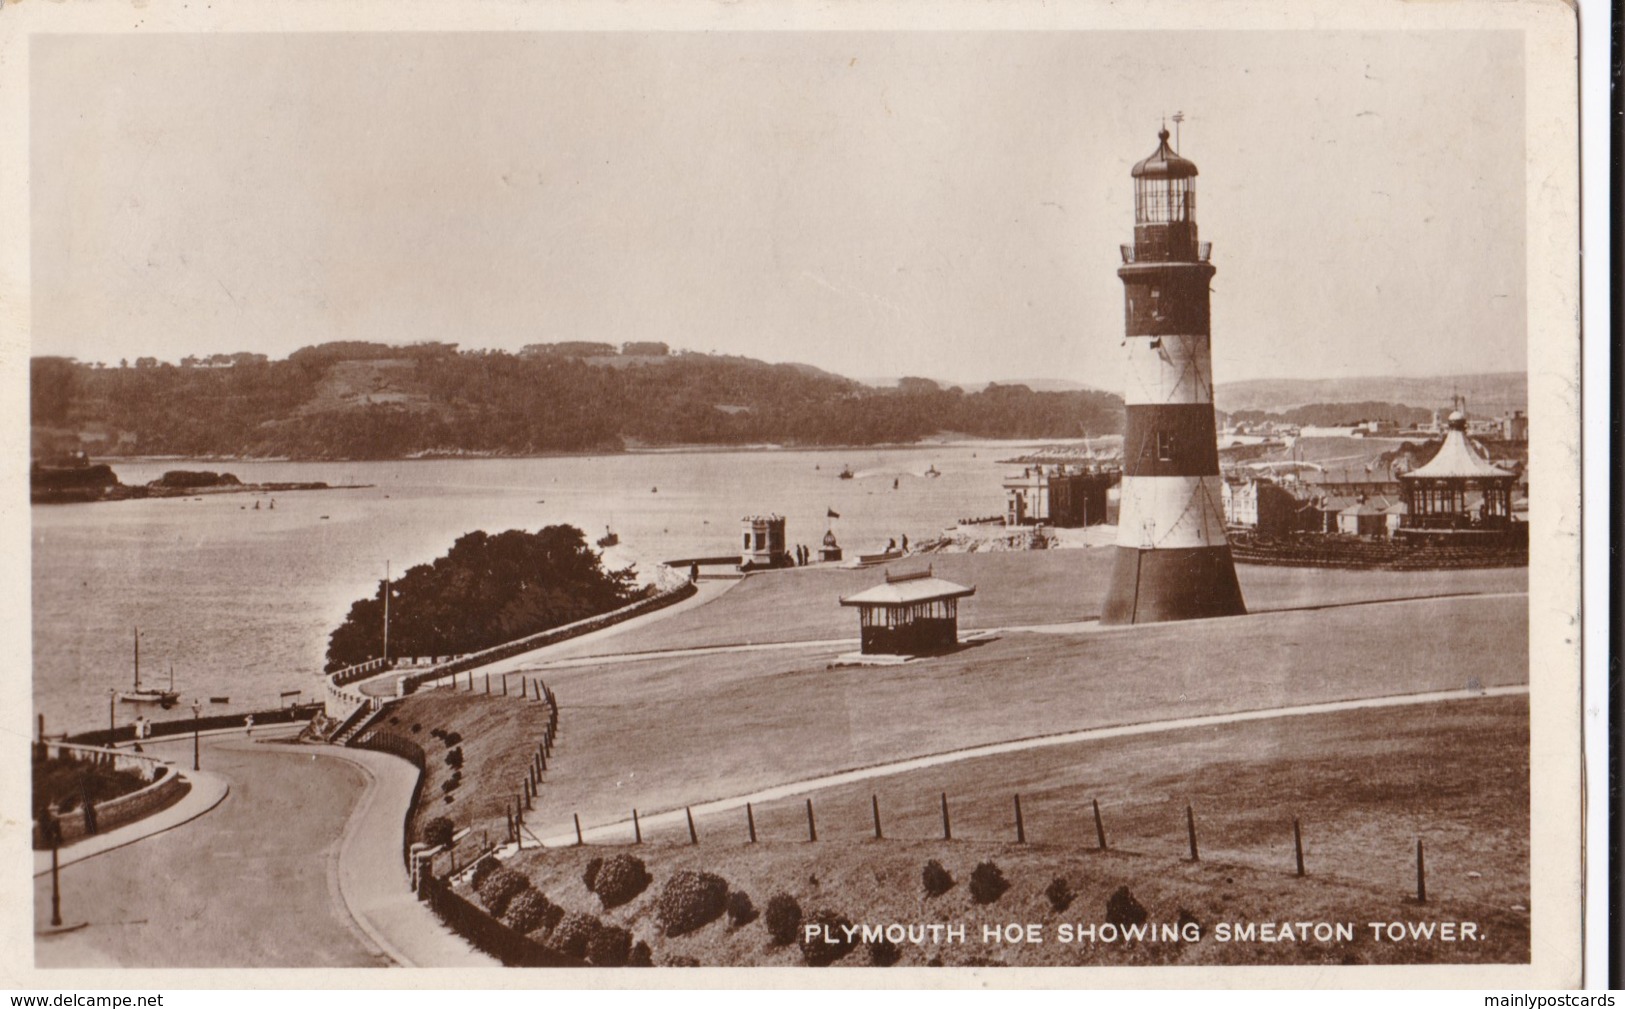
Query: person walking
[248,723]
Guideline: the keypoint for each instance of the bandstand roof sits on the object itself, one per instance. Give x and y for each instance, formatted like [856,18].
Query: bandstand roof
[908,590]
[1456,459]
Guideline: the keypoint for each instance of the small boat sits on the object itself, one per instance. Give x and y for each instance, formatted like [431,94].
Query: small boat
[149,695]
[933,472]
[846,473]
[609,538]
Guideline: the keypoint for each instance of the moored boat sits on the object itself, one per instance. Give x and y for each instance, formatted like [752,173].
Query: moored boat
[149,695]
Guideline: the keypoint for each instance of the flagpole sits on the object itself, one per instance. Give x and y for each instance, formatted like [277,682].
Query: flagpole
[386,611]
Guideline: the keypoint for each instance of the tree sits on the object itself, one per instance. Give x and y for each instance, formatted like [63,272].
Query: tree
[486,590]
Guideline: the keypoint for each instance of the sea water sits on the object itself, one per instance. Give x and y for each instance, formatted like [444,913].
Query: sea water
[241,601]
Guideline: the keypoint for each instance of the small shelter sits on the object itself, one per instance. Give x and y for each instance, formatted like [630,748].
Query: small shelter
[912,614]
[764,543]
[1458,489]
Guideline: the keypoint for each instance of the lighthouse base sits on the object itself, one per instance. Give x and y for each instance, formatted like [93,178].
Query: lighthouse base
[1149,586]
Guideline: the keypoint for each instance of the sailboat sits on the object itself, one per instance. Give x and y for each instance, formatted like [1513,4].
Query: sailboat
[149,695]
[609,538]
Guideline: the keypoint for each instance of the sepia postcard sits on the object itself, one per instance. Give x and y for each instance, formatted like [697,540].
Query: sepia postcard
[1063,494]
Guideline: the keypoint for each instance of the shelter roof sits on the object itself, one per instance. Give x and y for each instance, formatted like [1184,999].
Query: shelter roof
[908,590]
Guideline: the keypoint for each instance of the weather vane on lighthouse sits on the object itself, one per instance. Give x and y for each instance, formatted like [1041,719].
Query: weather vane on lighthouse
[1173,559]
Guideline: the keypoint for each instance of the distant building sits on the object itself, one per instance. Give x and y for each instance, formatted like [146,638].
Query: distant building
[1056,496]
[913,614]
[1515,427]
[764,543]
[1266,508]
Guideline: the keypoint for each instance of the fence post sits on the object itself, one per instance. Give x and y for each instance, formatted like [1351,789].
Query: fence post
[637,829]
[874,801]
[693,838]
[1190,828]
[947,829]
[1297,843]
[812,828]
[487,683]
[579,841]
[1021,829]
[750,822]
[1421,875]
[504,684]
[541,755]
[1100,828]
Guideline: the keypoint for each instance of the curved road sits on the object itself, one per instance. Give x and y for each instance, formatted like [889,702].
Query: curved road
[252,883]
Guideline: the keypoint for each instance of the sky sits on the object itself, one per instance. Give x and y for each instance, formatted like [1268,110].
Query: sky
[945,204]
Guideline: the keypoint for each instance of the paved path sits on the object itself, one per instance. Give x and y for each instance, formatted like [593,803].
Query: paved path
[372,878]
[298,866]
[676,817]
[384,685]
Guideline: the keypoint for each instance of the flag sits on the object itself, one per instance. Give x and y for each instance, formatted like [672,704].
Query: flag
[833,513]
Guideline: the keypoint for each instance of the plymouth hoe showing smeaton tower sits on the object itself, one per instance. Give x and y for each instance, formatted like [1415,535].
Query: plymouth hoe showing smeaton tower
[1173,560]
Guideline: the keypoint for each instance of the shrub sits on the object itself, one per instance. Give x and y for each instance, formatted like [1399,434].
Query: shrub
[610,946]
[530,910]
[438,831]
[691,899]
[482,869]
[589,873]
[680,961]
[417,727]
[937,880]
[641,955]
[741,911]
[573,932]
[883,953]
[782,918]
[436,732]
[987,883]
[1059,893]
[619,880]
[453,738]
[832,941]
[1187,919]
[1122,909]
[448,786]
[454,758]
[500,887]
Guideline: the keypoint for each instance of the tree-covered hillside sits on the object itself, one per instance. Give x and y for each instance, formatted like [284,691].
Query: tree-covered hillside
[369,401]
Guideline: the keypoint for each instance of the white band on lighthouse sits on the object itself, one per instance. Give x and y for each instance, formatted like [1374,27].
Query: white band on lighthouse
[1171,513]
[1169,369]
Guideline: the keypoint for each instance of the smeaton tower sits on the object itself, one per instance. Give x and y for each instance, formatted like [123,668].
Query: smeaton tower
[1173,560]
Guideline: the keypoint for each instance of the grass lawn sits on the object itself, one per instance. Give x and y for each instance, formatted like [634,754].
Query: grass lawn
[1012,589]
[1366,785]
[499,734]
[662,733]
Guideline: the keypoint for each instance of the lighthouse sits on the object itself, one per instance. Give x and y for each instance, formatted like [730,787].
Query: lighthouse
[1172,558]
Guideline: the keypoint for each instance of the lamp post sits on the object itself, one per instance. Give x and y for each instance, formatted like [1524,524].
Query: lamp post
[197,712]
[56,890]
